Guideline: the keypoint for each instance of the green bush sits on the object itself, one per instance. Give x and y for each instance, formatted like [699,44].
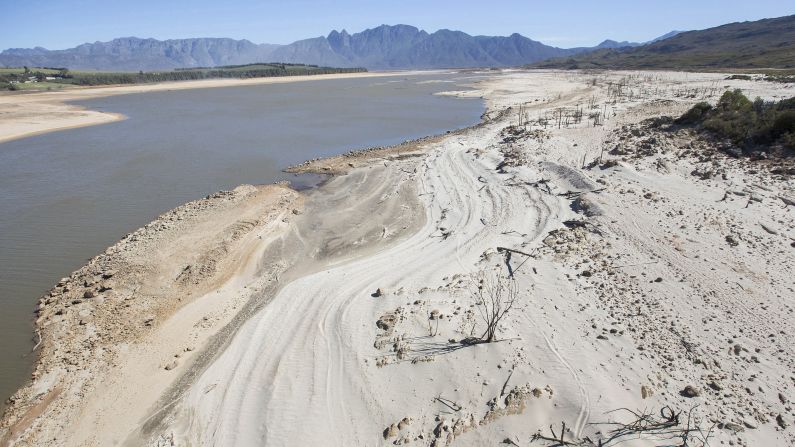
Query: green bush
[757,125]
[734,100]
[783,124]
[695,115]
[736,130]
[788,140]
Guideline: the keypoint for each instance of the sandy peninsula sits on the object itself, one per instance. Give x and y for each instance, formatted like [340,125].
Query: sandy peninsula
[652,274]
[26,114]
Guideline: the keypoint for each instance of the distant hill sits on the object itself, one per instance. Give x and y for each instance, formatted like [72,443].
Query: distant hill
[613,44]
[666,36]
[768,43]
[383,47]
[404,46]
[134,54]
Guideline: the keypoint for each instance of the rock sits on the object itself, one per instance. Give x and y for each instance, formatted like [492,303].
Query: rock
[171,365]
[658,279]
[404,423]
[690,391]
[378,293]
[781,422]
[737,349]
[750,424]
[434,314]
[731,426]
[386,322]
[715,386]
[646,392]
[296,212]
[732,241]
[440,428]
[733,151]
[391,431]
[89,294]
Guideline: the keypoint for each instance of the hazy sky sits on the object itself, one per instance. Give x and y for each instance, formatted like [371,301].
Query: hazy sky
[57,24]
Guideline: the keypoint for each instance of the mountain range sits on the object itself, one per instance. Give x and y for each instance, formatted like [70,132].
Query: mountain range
[383,47]
[766,43]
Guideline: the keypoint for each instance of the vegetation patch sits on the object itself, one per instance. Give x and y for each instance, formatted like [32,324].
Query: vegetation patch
[751,46]
[758,126]
[50,78]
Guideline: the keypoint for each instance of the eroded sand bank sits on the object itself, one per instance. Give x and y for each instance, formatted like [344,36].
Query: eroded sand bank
[343,324]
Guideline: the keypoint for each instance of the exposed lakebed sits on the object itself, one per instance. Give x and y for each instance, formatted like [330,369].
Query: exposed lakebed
[68,195]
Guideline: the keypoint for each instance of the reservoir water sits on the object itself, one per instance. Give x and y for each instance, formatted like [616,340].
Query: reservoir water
[66,196]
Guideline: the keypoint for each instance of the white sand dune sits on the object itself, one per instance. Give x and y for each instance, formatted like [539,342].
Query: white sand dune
[304,368]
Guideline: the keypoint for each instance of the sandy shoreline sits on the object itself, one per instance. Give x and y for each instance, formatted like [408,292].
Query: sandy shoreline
[275,317]
[26,114]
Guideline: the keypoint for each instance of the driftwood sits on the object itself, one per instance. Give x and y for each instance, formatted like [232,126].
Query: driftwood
[543,182]
[505,385]
[573,194]
[670,426]
[582,224]
[448,403]
[508,252]
[787,201]
[575,223]
[558,440]
[537,184]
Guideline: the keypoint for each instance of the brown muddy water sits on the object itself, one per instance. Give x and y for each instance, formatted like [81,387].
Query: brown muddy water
[66,196]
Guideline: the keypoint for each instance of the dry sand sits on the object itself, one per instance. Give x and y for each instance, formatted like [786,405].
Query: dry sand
[343,324]
[26,114]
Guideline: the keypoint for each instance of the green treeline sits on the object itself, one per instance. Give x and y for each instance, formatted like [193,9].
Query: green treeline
[13,79]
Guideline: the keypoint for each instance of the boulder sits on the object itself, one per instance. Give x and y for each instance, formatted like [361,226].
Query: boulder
[690,391]
[391,431]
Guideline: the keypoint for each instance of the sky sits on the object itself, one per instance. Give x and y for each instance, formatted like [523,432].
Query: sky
[59,24]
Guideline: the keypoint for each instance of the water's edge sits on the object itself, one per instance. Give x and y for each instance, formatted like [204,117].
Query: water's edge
[305,181]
